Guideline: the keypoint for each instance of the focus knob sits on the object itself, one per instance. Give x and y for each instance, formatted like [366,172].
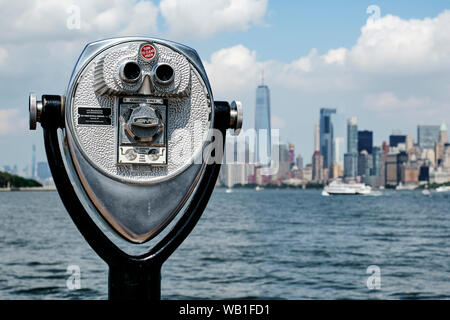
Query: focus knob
[236,117]
[35,110]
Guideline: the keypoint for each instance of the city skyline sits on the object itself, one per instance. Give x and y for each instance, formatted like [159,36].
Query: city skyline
[402,161]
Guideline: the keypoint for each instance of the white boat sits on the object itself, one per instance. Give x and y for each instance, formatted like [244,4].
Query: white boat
[443,189]
[229,190]
[426,192]
[258,188]
[337,187]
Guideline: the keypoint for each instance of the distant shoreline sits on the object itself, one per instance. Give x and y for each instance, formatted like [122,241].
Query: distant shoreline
[28,189]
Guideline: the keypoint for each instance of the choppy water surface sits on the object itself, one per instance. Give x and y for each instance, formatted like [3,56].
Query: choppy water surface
[269,244]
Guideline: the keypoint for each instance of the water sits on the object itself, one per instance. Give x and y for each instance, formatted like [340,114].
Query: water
[269,244]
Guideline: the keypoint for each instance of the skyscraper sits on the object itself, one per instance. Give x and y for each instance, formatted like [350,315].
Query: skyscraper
[317,165]
[350,165]
[446,158]
[317,138]
[376,158]
[352,135]
[427,136]
[291,156]
[364,164]
[440,145]
[299,162]
[365,141]
[262,122]
[351,157]
[338,145]
[396,139]
[326,136]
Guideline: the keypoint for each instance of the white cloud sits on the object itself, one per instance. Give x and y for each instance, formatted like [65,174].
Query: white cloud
[11,122]
[46,21]
[390,54]
[392,44]
[232,69]
[336,56]
[198,18]
[144,22]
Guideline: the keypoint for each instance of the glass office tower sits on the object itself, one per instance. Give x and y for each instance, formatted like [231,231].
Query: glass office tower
[365,141]
[427,136]
[262,121]
[326,136]
[351,157]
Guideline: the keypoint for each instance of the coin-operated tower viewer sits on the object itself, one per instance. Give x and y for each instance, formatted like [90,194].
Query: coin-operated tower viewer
[135,146]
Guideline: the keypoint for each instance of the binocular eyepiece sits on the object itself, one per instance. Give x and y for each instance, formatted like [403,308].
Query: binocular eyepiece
[163,73]
[130,72]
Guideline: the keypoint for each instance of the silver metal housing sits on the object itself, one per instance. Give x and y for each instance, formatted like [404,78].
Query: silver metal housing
[136,201]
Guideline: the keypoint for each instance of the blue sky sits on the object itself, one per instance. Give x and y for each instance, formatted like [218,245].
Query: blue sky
[390,75]
[312,24]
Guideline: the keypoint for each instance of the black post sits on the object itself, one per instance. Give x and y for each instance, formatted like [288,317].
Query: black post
[134,282]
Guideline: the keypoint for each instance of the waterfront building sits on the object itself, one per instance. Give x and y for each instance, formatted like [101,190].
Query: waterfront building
[376,161]
[391,169]
[299,162]
[317,167]
[429,154]
[339,150]
[326,136]
[427,136]
[284,166]
[439,176]
[351,157]
[410,173]
[234,173]
[307,173]
[409,142]
[365,141]
[446,158]
[336,171]
[350,165]
[424,174]
[440,145]
[363,164]
[396,139]
[291,156]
